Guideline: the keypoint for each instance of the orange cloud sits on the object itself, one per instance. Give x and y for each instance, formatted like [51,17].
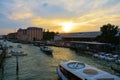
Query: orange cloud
[88,22]
[20,16]
[6,31]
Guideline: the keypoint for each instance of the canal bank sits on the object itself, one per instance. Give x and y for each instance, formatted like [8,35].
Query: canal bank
[2,54]
[39,66]
[2,57]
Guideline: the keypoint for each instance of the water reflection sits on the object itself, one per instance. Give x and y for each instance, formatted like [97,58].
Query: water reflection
[17,76]
[2,72]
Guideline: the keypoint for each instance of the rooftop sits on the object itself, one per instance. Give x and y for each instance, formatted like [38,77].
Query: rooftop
[80,34]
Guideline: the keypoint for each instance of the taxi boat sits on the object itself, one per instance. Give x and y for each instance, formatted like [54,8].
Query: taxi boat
[74,70]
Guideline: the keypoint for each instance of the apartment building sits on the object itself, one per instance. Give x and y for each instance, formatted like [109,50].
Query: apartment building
[30,34]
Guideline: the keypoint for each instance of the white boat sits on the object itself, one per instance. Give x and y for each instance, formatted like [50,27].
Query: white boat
[74,70]
[96,55]
[8,55]
[117,61]
[102,56]
[19,53]
[46,49]
[115,56]
[109,58]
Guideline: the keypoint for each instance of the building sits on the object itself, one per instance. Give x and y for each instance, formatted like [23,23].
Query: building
[12,36]
[79,36]
[30,34]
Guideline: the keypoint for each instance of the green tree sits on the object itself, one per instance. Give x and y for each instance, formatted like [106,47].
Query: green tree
[108,34]
[48,35]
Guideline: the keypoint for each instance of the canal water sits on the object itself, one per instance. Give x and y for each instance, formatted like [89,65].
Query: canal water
[39,66]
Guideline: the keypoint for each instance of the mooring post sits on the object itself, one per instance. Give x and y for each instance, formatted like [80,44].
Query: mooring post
[17,65]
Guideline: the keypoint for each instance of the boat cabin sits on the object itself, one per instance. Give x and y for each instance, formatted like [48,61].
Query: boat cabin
[73,70]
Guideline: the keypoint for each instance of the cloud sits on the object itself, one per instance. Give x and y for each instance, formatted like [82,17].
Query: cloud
[89,22]
[20,16]
[87,14]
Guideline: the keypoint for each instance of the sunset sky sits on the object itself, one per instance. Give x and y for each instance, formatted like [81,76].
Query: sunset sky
[58,15]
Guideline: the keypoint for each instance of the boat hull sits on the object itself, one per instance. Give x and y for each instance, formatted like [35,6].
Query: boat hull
[60,74]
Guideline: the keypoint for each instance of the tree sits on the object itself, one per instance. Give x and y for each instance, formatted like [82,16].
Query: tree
[48,35]
[108,34]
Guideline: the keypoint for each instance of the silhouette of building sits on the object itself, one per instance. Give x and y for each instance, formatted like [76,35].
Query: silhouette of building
[30,34]
[12,35]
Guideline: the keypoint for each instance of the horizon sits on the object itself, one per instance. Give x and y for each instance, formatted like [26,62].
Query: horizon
[58,16]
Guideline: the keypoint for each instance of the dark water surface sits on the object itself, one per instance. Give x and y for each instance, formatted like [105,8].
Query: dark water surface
[40,66]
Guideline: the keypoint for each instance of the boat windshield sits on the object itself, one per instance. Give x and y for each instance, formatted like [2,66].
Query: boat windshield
[69,75]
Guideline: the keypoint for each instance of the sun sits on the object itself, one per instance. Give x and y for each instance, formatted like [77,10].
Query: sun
[67,26]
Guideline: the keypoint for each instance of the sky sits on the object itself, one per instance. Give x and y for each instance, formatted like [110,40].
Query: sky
[58,15]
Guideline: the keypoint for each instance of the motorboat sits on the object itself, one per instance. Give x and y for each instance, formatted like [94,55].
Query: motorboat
[11,51]
[102,56]
[109,58]
[96,55]
[8,55]
[19,46]
[117,61]
[115,56]
[46,49]
[74,70]
[10,46]
[19,53]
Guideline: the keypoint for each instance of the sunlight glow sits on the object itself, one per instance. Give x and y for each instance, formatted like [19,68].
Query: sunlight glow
[67,26]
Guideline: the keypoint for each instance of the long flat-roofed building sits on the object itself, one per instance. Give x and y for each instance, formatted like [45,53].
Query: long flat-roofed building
[78,36]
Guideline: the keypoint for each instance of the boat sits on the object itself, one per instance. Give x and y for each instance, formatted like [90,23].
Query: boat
[8,55]
[105,56]
[96,55]
[46,49]
[117,61]
[19,53]
[10,46]
[74,70]
[19,46]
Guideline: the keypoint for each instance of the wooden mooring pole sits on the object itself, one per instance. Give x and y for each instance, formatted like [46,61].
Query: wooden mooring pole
[17,65]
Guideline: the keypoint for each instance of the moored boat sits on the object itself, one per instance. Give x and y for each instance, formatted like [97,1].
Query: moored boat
[19,46]
[19,53]
[74,70]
